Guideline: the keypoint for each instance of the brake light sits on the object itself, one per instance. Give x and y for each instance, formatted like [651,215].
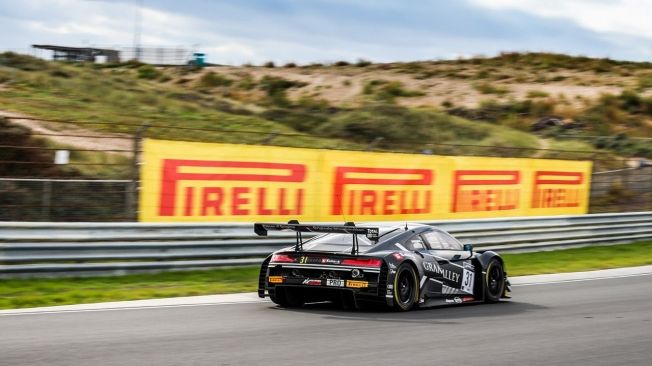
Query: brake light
[366,262]
[282,258]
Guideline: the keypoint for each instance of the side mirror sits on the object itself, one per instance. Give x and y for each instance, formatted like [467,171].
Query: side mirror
[468,247]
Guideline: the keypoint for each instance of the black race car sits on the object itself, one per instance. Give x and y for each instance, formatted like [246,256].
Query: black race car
[398,266]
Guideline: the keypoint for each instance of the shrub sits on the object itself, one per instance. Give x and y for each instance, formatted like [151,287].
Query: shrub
[398,125]
[148,72]
[342,63]
[247,82]
[388,90]
[60,74]
[362,63]
[395,89]
[537,94]
[645,82]
[290,65]
[269,64]
[22,62]
[212,79]
[487,88]
[276,88]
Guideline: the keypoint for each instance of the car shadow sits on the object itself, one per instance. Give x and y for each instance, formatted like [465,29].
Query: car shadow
[444,314]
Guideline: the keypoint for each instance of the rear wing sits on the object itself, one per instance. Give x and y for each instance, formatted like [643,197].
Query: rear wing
[372,233]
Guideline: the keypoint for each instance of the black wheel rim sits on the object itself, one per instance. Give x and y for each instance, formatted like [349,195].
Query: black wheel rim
[405,288]
[495,280]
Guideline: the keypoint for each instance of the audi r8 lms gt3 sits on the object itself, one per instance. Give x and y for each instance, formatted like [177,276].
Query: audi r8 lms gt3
[398,266]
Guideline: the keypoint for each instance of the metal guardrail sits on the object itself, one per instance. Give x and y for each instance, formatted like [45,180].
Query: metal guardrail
[64,249]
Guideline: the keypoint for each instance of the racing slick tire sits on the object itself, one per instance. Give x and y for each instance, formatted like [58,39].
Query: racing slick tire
[494,285]
[287,298]
[406,287]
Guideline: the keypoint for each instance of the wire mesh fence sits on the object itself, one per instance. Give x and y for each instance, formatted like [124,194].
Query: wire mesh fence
[100,180]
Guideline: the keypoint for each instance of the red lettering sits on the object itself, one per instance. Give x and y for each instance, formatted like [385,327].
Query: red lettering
[282,210]
[544,196]
[299,203]
[469,200]
[388,202]
[238,200]
[212,198]
[189,201]
[390,176]
[368,201]
[261,203]
[171,176]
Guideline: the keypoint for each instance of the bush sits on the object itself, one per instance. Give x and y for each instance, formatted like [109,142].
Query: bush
[22,62]
[269,64]
[60,74]
[398,125]
[148,72]
[645,82]
[276,88]
[362,63]
[388,90]
[212,79]
[487,88]
[290,65]
[342,63]
[537,94]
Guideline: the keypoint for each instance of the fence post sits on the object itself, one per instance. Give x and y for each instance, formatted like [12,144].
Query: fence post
[46,200]
[132,192]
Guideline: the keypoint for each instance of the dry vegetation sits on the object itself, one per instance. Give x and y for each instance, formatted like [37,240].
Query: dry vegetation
[487,101]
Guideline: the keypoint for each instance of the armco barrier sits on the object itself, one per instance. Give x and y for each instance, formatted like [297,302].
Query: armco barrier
[34,249]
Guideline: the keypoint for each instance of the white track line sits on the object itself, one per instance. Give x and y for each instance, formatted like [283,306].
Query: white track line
[252,297]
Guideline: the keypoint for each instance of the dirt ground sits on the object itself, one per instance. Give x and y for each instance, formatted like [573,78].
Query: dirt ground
[73,136]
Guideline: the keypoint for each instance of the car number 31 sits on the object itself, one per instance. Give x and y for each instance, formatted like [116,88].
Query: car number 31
[467,281]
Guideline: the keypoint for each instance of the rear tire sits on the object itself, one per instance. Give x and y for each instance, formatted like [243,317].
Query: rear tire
[287,298]
[494,281]
[406,287]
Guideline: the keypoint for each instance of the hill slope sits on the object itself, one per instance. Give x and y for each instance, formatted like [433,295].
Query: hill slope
[414,106]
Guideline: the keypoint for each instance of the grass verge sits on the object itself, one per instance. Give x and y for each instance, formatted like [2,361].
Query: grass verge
[24,293]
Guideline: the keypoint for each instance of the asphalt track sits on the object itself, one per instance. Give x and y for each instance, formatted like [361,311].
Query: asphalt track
[596,322]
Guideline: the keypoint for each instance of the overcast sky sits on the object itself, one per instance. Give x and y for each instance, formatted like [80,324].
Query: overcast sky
[239,31]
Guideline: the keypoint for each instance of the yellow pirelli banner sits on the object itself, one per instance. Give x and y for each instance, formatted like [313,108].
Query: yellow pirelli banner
[200,182]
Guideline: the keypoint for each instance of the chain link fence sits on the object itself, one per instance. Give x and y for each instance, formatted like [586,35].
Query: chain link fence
[100,180]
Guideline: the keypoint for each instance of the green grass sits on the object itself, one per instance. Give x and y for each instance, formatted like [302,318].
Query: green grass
[579,259]
[24,293]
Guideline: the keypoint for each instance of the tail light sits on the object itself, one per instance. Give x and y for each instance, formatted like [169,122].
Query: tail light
[282,258]
[363,262]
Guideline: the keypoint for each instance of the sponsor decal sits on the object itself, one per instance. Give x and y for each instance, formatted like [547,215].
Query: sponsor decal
[334,282]
[486,190]
[204,182]
[357,284]
[468,278]
[275,279]
[310,282]
[359,191]
[239,200]
[455,300]
[557,189]
[467,298]
[445,273]
[330,261]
